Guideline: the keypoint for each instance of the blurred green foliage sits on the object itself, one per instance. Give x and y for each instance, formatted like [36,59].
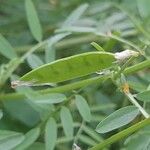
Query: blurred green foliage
[68,28]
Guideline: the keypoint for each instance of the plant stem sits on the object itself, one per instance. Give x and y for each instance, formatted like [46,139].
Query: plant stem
[137,67]
[133,100]
[121,135]
[79,132]
[64,43]
[120,39]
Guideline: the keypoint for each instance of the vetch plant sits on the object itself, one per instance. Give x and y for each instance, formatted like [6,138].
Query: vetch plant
[66,93]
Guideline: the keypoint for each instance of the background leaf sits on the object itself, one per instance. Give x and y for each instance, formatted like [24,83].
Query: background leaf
[10,139]
[37,146]
[30,138]
[117,119]
[83,107]
[144,96]
[6,49]
[50,98]
[34,61]
[50,51]
[138,142]
[75,15]
[67,121]
[50,134]
[33,20]
[143,6]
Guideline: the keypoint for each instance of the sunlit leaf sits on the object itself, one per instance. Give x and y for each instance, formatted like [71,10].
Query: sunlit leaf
[6,49]
[67,121]
[83,107]
[68,68]
[33,20]
[7,69]
[117,119]
[50,134]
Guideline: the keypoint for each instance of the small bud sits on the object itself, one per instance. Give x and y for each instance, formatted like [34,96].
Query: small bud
[121,56]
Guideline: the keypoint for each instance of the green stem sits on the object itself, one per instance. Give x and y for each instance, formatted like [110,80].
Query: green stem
[112,36]
[121,135]
[133,100]
[64,43]
[37,46]
[124,67]
[137,67]
[61,89]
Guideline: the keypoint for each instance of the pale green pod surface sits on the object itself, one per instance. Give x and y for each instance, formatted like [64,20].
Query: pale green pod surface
[70,67]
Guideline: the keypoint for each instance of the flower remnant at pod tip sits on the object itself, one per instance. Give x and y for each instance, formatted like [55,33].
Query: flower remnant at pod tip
[121,56]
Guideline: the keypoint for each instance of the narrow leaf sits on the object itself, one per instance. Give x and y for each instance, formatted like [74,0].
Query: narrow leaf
[89,131]
[50,48]
[68,68]
[33,20]
[50,98]
[77,29]
[30,138]
[83,107]
[143,6]
[50,53]
[67,121]
[144,96]
[117,119]
[75,15]
[34,61]
[6,49]
[6,70]
[50,134]
[87,140]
